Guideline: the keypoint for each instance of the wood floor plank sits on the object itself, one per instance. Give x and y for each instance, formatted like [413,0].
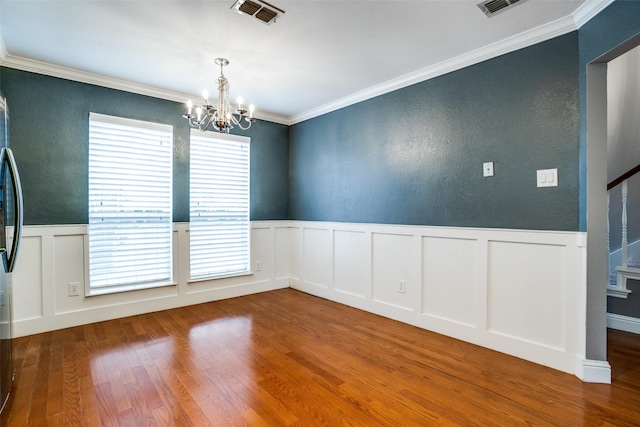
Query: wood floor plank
[20,408]
[88,403]
[285,358]
[107,405]
[72,409]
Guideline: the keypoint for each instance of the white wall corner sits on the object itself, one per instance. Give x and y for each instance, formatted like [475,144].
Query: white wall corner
[593,371]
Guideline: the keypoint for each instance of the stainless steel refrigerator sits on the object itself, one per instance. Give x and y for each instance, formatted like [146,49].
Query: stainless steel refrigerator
[10,218]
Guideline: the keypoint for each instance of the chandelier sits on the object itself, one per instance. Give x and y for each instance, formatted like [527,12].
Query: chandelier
[220,117]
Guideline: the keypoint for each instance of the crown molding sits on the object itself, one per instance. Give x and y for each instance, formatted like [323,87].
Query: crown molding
[588,10]
[581,16]
[39,67]
[48,69]
[272,117]
[528,38]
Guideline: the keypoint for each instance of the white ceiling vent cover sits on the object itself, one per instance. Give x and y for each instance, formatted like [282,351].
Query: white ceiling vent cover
[258,9]
[493,7]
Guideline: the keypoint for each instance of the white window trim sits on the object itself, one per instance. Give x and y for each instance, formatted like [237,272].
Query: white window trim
[93,291]
[247,271]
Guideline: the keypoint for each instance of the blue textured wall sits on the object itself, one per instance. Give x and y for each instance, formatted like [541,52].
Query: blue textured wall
[50,131]
[269,170]
[414,156]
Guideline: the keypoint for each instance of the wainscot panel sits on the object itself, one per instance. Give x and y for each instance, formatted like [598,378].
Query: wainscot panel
[352,260]
[394,283]
[318,257]
[51,257]
[514,291]
[451,293]
[30,274]
[281,251]
[295,253]
[527,292]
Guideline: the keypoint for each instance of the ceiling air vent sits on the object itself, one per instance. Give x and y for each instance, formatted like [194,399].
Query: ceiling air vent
[258,9]
[492,7]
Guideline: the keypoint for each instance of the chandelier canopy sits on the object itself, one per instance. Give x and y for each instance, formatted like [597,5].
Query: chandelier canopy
[220,117]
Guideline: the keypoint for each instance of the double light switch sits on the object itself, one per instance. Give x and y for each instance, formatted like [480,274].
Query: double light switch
[547,177]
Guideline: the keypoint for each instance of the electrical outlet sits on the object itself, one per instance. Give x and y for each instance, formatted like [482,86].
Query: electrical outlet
[402,286]
[74,289]
[258,265]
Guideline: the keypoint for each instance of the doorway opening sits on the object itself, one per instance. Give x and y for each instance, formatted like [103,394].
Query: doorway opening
[597,212]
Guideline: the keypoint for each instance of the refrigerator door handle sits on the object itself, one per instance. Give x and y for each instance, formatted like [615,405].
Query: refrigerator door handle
[17,209]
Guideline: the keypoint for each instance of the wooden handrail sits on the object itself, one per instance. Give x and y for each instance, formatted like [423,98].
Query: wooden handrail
[622,177]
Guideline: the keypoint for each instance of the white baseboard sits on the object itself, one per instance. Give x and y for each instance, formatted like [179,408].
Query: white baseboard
[623,323]
[76,318]
[593,371]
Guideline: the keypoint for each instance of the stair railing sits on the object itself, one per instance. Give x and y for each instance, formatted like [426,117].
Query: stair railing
[623,272]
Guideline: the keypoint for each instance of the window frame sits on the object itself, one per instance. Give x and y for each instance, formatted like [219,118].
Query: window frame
[214,137]
[131,286]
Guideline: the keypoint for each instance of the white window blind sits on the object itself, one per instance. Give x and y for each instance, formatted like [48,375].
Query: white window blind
[130,210]
[219,205]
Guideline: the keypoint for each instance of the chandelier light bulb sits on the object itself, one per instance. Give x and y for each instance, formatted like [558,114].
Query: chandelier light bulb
[221,117]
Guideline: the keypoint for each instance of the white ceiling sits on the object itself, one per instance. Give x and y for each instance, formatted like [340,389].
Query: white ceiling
[321,55]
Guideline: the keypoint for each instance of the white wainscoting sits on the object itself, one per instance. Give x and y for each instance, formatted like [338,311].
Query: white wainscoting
[51,257]
[517,292]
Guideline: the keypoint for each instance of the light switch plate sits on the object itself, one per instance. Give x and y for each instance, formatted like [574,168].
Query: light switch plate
[487,169]
[547,177]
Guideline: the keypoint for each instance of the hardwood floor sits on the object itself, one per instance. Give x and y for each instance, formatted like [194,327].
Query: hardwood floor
[285,358]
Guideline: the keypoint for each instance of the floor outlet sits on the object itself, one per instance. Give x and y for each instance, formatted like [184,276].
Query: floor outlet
[74,289]
[402,286]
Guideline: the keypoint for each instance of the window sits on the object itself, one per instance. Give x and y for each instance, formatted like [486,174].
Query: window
[219,205]
[130,211]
